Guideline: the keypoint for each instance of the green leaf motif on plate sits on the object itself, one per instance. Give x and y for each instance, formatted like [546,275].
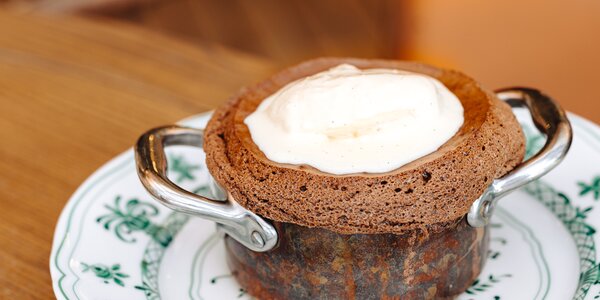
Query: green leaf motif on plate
[150,292]
[216,279]
[481,286]
[593,188]
[182,168]
[494,254]
[107,274]
[578,217]
[134,216]
[242,293]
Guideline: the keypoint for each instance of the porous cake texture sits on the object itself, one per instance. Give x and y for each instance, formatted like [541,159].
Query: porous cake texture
[425,194]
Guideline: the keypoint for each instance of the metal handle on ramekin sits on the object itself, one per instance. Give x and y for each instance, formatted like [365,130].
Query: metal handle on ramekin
[550,119]
[241,224]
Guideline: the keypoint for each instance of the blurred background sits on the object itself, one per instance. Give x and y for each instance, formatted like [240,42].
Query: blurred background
[549,44]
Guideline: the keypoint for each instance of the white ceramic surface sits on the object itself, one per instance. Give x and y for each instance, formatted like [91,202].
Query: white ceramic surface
[113,241]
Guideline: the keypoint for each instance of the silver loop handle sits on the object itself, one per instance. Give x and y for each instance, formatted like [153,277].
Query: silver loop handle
[241,224]
[550,119]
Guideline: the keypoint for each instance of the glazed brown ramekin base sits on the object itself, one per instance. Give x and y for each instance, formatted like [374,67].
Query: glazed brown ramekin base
[313,263]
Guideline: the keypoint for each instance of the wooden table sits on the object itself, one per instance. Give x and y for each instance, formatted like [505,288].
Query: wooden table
[73,94]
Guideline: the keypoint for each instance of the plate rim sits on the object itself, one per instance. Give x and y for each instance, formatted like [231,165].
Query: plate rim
[61,229]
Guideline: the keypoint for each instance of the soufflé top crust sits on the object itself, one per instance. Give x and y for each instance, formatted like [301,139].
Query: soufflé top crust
[427,193]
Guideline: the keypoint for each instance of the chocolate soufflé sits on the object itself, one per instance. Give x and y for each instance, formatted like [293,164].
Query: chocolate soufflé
[426,195]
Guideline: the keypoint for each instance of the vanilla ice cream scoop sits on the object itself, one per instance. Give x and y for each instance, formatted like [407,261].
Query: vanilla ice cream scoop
[347,120]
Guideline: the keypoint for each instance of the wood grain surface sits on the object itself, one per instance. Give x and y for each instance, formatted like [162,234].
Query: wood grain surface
[73,94]
[283,31]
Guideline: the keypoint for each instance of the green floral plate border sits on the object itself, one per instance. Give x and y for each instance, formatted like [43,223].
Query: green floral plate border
[113,242]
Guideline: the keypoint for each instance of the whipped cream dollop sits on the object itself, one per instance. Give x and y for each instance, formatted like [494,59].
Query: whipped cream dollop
[347,120]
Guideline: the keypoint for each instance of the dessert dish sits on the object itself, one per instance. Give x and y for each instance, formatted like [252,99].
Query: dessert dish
[425,193]
[300,224]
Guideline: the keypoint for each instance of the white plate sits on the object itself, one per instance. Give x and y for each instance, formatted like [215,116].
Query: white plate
[113,241]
